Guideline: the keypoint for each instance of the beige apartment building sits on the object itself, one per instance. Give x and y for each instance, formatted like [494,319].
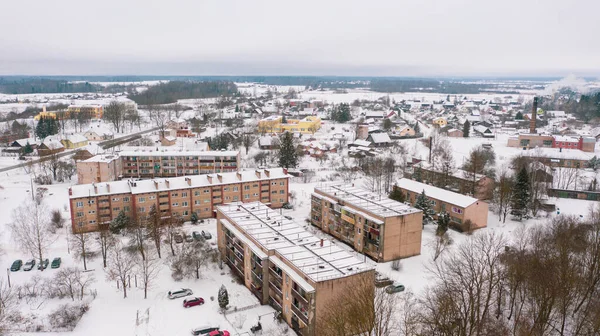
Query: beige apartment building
[94,206]
[461,208]
[286,266]
[372,224]
[148,162]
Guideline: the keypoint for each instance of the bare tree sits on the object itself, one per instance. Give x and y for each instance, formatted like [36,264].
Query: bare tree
[106,242]
[148,271]
[7,304]
[30,228]
[502,193]
[440,245]
[73,282]
[247,141]
[115,113]
[121,266]
[159,118]
[137,234]
[191,258]
[155,228]
[80,243]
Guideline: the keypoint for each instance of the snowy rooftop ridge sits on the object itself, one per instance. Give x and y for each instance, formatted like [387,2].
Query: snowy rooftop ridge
[161,151]
[437,193]
[379,205]
[293,243]
[174,183]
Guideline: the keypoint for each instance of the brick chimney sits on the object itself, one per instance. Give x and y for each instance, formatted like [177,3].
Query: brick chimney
[189,181]
[108,187]
[156,184]
[533,116]
[70,192]
[267,173]
[239,176]
[95,188]
[167,183]
[220,177]
[209,177]
[257,173]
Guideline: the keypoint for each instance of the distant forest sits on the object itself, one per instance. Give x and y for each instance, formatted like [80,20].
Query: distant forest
[168,93]
[586,108]
[23,85]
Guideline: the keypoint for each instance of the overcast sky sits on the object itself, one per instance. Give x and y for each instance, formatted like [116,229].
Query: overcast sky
[302,37]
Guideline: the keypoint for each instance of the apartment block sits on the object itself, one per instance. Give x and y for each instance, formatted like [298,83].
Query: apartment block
[94,206]
[372,224]
[148,162]
[286,266]
[275,124]
[458,180]
[461,208]
[99,168]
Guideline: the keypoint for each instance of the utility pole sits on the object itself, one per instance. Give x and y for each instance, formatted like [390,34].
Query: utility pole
[430,147]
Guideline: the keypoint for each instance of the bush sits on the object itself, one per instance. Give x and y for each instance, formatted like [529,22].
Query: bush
[67,316]
[396,265]
[57,219]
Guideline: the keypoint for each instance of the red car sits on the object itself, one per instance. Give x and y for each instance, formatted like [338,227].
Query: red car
[193,302]
[219,333]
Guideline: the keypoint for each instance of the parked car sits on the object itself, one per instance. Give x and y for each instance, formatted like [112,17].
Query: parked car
[29,265]
[203,330]
[196,235]
[188,238]
[197,301]
[178,238]
[43,265]
[287,206]
[55,262]
[219,333]
[16,265]
[396,287]
[288,217]
[180,293]
[206,235]
[382,280]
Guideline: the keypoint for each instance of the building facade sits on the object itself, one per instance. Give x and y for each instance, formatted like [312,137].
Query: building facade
[462,209]
[550,141]
[94,206]
[459,180]
[286,266]
[99,168]
[274,124]
[374,225]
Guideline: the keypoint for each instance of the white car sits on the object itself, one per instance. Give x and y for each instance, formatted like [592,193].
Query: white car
[180,293]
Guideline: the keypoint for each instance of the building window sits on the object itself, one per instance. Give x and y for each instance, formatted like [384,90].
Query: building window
[92,222]
[92,212]
[196,202]
[175,204]
[282,192]
[80,214]
[457,210]
[126,209]
[115,199]
[79,204]
[235,198]
[235,188]
[282,183]
[142,199]
[206,191]
[247,196]
[246,187]
[273,183]
[125,199]
[196,193]
[226,189]
[184,204]
[142,209]
[206,201]
[116,209]
[185,213]
[183,194]
[274,192]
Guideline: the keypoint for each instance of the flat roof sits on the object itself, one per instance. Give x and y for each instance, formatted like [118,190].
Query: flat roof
[437,193]
[173,183]
[160,151]
[371,203]
[292,242]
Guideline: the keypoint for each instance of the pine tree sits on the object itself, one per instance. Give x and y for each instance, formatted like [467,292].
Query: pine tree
[284,119]
[223,297]
[40,129]
[417,175]
[194,218]
[443,223]
[397,195]
[519,116]
[288,156]
[521,194]
[422,203]
[119,223]
[237,108]
[28,149]
[466,129]
[53,126]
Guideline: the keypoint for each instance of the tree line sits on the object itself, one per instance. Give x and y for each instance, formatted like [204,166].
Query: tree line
[44,85]
[170,92]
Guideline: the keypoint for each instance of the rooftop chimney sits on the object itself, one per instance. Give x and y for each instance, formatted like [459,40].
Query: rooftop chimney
[108,187]
[95,188]
[257,173]
[220,177]
[189,181]
[209,177]
[267,173]
[70,192]
[533,116]
[156,184]
[167,183]
[239,176]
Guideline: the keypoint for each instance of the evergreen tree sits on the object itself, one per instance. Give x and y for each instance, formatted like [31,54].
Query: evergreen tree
[417,128]
[422,203]
[237,108]
[519,116]
[53,126]
[284,119]
[443,223]
[223,297]
[194,218]
[417,175]
[387,124]
[466,129]
[288,156]
[521,194]
[119,223]
[341,113]
[28,149]
[40,129]
[397,195]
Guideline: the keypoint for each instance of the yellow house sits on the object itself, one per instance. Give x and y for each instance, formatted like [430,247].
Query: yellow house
[74,141]
[95,111]
[272,124]
[45,114]
[440,122]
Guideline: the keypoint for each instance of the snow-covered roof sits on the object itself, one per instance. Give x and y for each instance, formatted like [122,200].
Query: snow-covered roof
[52,143]
[99,130]
[363,143]
[174,183]
[23,142]
[102,158]
[76,138]
[370,203]
[556,153]
[437,193]
[293,243]
[152,151]
[380,137]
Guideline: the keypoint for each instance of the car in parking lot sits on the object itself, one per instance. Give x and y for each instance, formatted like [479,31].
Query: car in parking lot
[396,287]
[44,264]
[203,330]
[16,265]
[180,293]
[188,238]
[55,262]
[29,265]
[196,235]
[197,301]
[206,235]
[287,206]
[219,333]
[288,217]
[178,238]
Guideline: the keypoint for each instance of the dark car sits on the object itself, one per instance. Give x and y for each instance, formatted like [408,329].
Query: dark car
[16,265]
[29,265]
[204,330]
[288,217]
[396,287]
[178,238]
[43,265]
[197,301]
[287,206]
[55,263]
[196,235]
[206,235]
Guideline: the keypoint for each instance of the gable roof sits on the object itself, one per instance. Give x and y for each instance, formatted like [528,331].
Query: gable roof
[437,193]
[380,137]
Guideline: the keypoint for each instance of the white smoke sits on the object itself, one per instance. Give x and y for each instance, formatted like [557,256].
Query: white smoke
[572,82]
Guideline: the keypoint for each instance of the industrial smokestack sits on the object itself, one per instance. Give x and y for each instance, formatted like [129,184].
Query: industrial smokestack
[533,116]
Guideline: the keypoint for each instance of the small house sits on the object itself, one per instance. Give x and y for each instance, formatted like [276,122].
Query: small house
[74,141]
[50,146]
[380,139]
[455,133]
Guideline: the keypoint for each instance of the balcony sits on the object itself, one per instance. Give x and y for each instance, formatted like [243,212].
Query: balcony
[276,275]
[276,290]
[275,304]
[302,297]
[301,313]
